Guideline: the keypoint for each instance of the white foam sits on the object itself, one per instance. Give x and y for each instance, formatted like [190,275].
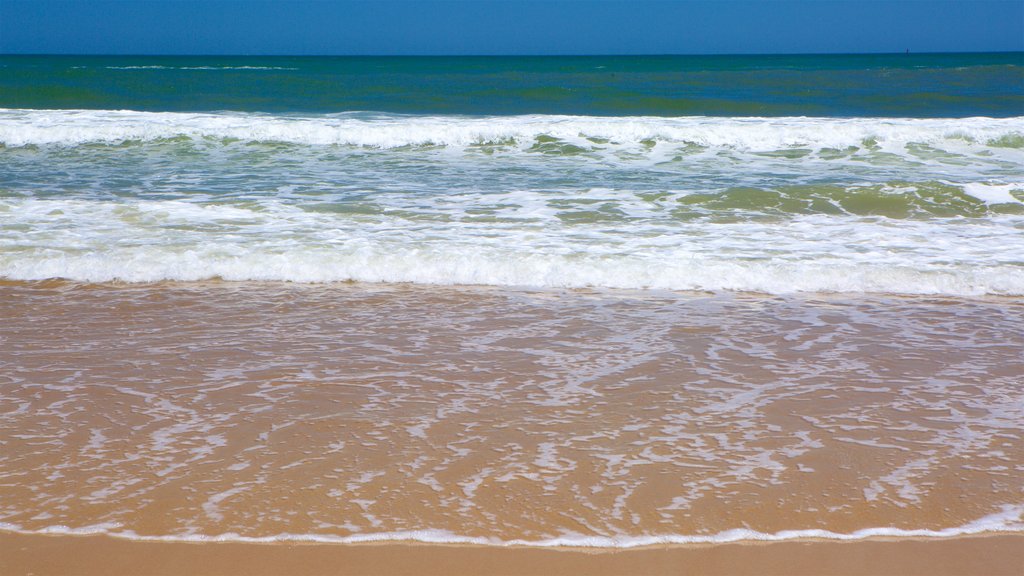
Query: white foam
[1009,519]
[20,127]
[148,241]
[995,193]
[212,505]
[466,218]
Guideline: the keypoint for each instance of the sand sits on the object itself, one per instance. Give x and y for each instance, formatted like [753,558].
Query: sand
[990,555]
[328,411]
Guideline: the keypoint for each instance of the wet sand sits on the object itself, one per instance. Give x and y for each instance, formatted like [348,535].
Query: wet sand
[466,415]
[994,555]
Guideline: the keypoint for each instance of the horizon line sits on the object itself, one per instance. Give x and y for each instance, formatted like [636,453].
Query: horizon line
[503,55]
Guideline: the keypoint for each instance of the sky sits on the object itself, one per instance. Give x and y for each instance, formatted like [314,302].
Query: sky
[389,27]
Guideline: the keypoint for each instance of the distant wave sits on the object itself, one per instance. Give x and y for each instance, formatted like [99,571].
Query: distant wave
[75,127]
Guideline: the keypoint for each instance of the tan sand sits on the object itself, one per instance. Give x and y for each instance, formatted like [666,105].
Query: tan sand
[267,409]
[330,411]
[994,555]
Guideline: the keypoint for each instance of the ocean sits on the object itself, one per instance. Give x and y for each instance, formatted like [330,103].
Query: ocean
[550,301]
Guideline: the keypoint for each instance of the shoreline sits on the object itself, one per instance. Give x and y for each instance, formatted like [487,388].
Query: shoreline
[994,554]
[286,409]
[1006,522]
[61,284]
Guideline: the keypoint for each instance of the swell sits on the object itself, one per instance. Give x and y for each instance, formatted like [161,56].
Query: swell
[921,86]
[19,127]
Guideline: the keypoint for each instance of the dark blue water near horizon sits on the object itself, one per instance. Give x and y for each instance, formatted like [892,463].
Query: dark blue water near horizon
[864,85]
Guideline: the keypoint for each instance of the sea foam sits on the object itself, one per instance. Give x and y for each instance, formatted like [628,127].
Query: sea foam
[75,127]
[775,205]
[1009,519]
[149,241]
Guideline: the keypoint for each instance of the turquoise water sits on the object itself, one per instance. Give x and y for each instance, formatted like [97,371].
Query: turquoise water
[903,85]
[872,173]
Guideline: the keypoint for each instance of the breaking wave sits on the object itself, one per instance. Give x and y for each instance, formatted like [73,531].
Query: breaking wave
[76,127]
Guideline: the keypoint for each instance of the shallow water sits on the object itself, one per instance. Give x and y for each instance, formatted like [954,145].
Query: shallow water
[349,412]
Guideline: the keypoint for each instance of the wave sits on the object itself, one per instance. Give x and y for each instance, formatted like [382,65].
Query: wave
[273,240]
[461,264]
[1009,519]
[387,131]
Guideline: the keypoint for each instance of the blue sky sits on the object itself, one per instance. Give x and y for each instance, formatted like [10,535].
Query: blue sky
[508,27]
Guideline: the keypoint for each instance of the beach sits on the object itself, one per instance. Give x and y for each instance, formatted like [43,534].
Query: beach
[776,332]
[86,555]
[490,416]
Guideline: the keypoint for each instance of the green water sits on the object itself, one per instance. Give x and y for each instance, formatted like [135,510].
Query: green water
[901,85]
